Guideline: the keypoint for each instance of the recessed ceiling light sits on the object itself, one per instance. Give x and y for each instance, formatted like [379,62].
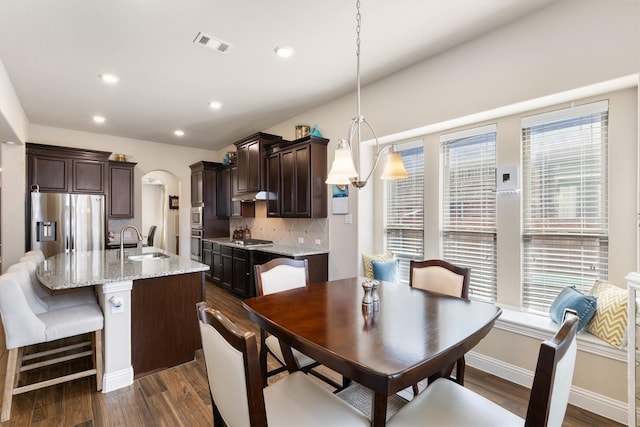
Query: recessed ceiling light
[215,105]
[283,51]
[9,142]
[109,78]
[178,132]
[98,119]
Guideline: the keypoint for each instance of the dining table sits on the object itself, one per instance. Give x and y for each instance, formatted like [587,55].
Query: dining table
[408,336]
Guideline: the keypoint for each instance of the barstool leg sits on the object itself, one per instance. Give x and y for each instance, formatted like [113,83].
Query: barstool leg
[9,384]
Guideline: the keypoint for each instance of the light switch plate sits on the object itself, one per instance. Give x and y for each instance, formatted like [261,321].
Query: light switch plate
[300,239]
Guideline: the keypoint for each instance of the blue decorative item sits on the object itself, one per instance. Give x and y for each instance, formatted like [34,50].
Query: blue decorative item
[225,159]
[385,270]
[315,131]
[571,298]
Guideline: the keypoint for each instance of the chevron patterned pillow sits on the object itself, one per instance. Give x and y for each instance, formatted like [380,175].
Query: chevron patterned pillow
[610,321]
[367,258]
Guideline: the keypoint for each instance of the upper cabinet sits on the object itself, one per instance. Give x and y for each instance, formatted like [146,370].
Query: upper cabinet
[66,170]
[121,184]
[206,187]
[295,176]
[250,162]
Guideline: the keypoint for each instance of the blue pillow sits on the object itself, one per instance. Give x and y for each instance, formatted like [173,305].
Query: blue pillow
[385,270]
[570,297]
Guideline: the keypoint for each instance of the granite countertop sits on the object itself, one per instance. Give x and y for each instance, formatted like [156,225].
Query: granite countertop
[79,269]
[276,248]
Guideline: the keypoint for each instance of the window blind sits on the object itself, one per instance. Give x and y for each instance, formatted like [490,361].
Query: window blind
[565,218]
[404,216]
[469,206]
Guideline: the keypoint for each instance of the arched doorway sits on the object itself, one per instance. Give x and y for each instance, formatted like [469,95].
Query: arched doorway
[157,186]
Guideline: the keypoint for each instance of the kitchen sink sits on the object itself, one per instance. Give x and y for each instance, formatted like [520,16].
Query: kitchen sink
[147,256]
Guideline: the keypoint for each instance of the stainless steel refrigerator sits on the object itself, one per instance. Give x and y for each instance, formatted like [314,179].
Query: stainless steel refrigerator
[63,222]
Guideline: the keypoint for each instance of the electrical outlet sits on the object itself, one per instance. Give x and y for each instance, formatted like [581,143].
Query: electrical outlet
[318,242]
[300,239]
[348,219]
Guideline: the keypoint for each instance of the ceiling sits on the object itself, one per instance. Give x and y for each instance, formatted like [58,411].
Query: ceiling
[53,52]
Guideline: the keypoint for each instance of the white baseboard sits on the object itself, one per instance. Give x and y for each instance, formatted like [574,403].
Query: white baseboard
[115,380]
[582,398]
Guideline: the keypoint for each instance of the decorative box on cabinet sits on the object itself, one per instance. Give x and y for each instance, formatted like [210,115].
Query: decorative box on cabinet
[296,174]
[121,184]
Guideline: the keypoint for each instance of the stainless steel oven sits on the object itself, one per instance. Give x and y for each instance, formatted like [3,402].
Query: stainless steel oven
[196,244]
[196,217]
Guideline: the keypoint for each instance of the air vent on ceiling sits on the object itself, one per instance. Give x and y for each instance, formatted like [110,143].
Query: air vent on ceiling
[212,43]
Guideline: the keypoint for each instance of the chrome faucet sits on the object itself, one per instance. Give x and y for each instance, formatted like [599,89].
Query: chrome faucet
[140,238]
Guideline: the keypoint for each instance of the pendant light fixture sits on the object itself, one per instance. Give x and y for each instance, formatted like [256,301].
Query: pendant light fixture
[343,170]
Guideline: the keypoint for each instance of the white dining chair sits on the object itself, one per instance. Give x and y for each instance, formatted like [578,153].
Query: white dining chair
[234,375]
[25,327]
[446,403]
[277,275]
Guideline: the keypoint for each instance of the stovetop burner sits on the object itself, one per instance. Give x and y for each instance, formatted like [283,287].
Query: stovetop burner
[252,243]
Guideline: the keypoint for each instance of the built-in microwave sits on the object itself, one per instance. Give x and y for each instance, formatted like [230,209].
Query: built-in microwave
[196,217]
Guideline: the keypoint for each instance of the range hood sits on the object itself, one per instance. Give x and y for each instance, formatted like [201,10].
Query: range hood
[253,196]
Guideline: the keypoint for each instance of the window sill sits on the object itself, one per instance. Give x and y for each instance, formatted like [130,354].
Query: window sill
[541,327]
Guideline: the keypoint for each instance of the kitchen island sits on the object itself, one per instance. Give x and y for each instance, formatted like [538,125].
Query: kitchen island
[148,299]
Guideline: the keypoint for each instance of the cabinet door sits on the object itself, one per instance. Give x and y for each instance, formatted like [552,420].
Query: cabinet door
[226,272]
[287,171]
[216,263]
[236,206]
[121,190]
[50,173]
[207,257]
[197,192]
[88,176]
[241,282]
[302,176]
[223,193]
[249,168]
[273,185]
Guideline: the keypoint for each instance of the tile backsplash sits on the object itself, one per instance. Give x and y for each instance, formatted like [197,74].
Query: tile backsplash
[314,232]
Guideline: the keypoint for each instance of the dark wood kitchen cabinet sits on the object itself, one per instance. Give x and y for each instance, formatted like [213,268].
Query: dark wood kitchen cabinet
[212,257]
[204,195]
[226,207]
[232,268]
[251,155]
[295,174]
[121,184]
[56,169]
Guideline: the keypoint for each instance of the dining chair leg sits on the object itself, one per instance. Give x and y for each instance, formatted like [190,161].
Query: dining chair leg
[9,384]
[263,357]
[415,389]
[460,364]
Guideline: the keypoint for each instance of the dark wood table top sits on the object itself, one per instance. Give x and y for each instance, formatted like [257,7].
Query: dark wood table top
[412,335]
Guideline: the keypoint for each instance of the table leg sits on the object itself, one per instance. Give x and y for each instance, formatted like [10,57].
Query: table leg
[379,409]
[290,361]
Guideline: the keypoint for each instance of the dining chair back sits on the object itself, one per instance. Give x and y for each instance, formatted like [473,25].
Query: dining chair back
[233,371]
[447,403]
[436,275]
[281,274]
[277,275]
[440,276]
[25,327]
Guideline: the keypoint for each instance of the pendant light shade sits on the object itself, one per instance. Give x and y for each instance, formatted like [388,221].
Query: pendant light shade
[342,169]
[394,168]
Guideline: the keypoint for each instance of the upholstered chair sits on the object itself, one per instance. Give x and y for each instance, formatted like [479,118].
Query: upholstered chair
[445,403]
[436,275]
[25,327]
[234,374]
[279,275]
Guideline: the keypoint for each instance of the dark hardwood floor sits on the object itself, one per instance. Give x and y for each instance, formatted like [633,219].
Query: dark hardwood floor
[180,396]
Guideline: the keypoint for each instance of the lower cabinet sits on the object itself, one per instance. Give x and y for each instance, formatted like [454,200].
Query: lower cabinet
[232,268]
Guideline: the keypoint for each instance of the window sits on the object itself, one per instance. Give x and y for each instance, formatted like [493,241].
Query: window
[565,224]
[404,219]
[469,206]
